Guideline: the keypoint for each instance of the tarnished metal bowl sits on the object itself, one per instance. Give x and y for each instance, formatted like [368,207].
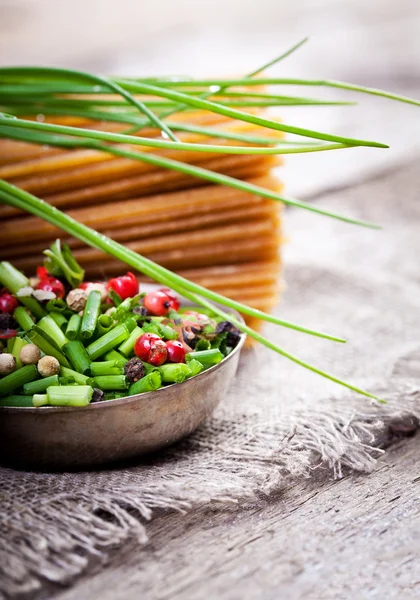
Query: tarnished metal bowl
[67,437]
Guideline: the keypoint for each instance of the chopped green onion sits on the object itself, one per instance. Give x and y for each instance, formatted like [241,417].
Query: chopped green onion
[127,347]
[18,344]
[103,325]
[39,400]
[167,332]
[90,314]
[174,373]
[207,358]
[77,377]
[73,326]
[60,319]
[78,357]
[109,382]
[116,357]
[69,395]
[148,383]
[36,336]
[195,367]
[23,319]
[40,385]
[202,344]
[16,400]
[56,305]
[49,326]
[108,367]
[14,281]
[114,395]
[108,341]
[17,379]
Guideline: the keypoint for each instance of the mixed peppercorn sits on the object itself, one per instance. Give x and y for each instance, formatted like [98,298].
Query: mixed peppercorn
[66,342]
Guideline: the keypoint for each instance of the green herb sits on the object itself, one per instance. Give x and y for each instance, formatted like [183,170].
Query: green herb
[48,325]
[174,373]
[78,357]
[63,395]
[61,263]
[77,377]
[40,385]
[23,319]
[73,326]
[60,320]
[127,347]
[90,314]
[109,382]
[208,358]
[18,344]
[108,341]
[16,400]
[108,367]
[14,281]
[17,379]
[148,383]
[39,338]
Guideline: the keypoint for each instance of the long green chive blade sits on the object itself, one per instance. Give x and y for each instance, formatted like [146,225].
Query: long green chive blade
[91,134]
[215,177]
[40,208]
[53,71]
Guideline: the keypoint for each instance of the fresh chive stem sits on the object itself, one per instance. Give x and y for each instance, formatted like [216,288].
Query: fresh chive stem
[109,382]
[207,358]
[73,326]
[23,319]
[107,367]
[78,357]
[36,336]
[148,383]
[17,379]
[108,341]
[18,344]
[77,377]
[16,400]
[195,367]
[90,314]
[39,386]
[39,400]
[48,325]
[63,395]
[103,325]
[127,347]
[174,373]
[60,320]
[116,357]
[56,305]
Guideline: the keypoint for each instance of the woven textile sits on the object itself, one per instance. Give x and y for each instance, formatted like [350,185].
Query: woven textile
[278,421]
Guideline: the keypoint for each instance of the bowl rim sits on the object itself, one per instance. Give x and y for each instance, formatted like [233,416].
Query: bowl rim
[128,399]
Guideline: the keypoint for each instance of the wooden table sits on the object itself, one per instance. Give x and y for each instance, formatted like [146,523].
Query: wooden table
[353,538]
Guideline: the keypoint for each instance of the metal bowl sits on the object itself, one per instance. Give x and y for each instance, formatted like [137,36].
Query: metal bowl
[103,432]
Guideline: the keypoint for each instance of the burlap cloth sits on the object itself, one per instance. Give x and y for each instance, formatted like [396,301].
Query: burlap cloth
[278,420]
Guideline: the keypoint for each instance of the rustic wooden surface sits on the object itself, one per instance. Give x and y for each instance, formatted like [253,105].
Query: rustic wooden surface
[322,539]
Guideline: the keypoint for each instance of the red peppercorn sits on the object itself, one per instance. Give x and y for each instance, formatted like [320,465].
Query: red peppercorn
[126,286]
[160,302]
[151,348]
[8,303]
[175,303]
[52,284]
[42,273]
[176,351]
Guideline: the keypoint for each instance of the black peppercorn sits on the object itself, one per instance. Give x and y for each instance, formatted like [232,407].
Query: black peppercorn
[224,327]
[134,369]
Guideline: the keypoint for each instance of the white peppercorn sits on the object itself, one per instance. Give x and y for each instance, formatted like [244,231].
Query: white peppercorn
[47,366]
[30,354]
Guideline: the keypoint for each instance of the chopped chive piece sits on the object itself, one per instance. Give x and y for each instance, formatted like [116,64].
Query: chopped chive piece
[23,319]
[60,320]
[207,358]
[202,345]
[103,325]
[53,331]
[167,332]
[73,327]
[127,347]
[115,297]
[108,367]
[14,281]
[174,373]
[18,344]
[195,367]
[69,395]
[67,380]
[10,343]
[16,400]
[56,305]
[118,358]
[90,314]
[17,379]
[108,341]
[109,382]
[77,377]
[46,346]
[40,385]
[130,323]
[148,368]
[77,355]
[39,400]
[151,327]
[148,383]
